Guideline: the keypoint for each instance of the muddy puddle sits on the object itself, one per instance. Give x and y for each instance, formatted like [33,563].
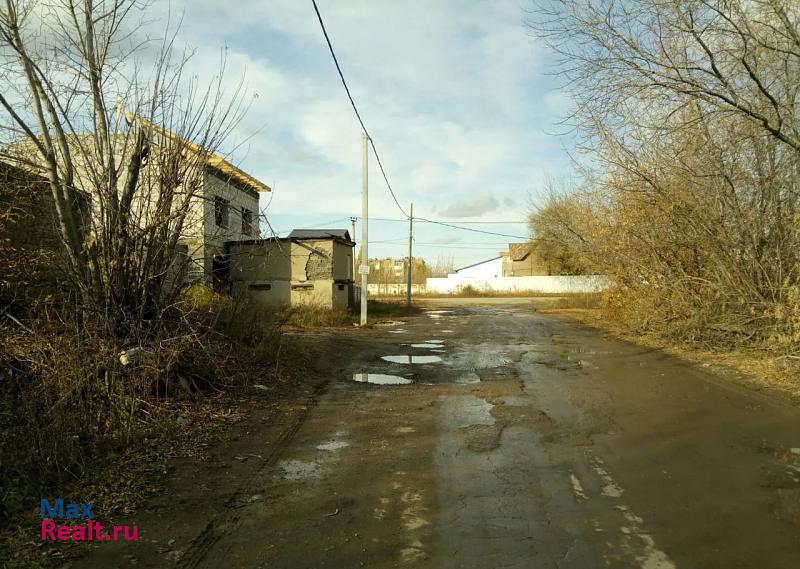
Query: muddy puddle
[437,314]
[333,445]
[381,379]
[412,359]
[469,377]
[427,346]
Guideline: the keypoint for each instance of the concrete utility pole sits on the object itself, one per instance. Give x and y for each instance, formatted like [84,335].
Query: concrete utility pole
[353,237]
[364,268]
[410,257]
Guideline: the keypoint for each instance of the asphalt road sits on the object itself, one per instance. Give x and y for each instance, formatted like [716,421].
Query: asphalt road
[530,442]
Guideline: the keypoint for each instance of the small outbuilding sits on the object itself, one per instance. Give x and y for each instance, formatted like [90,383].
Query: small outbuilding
[310,266]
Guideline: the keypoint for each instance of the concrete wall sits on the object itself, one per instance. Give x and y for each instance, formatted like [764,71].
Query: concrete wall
[543,284]
[393,289]
[343,263]
[213,235]
[30,244]
[274,272]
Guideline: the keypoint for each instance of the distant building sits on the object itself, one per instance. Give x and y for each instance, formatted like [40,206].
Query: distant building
[523,260]
[390,271]
[310,266]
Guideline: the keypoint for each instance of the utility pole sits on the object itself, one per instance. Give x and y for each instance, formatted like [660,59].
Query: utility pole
[364,268]
[353,237]
[410,257]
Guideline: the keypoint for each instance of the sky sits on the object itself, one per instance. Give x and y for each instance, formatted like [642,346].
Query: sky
[458,97]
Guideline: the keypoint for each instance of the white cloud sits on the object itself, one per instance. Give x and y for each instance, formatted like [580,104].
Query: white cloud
[452,91]
[471,207]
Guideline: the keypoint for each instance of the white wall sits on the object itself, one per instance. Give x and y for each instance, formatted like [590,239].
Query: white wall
[486,269]
[545,284]
[393,289]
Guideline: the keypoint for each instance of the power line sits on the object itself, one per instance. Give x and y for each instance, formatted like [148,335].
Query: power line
[355,109]
[501,222]
[470,229]
[442,223]
[439,246]
[372,143]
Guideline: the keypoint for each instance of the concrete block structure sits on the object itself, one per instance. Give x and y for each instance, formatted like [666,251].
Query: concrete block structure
[310,266]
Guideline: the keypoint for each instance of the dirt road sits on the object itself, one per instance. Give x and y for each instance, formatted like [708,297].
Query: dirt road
[516,440]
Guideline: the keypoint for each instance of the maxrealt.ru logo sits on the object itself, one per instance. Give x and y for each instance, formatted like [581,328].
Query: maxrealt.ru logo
[87,529]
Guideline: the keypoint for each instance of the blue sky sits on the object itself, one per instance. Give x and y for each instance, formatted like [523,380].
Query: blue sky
[457,95]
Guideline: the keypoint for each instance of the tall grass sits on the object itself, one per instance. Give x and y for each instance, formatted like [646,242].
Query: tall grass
[69,404]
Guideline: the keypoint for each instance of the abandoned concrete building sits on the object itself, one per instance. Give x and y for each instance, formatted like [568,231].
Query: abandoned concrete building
[310,266]
[224,200]
[29,239]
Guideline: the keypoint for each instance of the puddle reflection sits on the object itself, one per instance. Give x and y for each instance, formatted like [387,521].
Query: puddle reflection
[411,359]
[381,379]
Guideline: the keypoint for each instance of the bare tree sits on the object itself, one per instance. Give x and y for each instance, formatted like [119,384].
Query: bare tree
[689,110]
[104,112]
[737,57]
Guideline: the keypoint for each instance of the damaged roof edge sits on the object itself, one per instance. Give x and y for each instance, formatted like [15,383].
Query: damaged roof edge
[265,240]
[212,159]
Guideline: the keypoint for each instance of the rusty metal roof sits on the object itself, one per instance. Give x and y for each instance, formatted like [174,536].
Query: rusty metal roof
[519,251]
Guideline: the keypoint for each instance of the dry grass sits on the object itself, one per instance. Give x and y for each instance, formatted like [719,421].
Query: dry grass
[76,421]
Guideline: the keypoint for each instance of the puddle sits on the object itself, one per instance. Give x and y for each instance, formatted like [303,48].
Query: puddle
[299,469]
[411,360]
[333,445]
[557,361]
[427,345]
[437,314]
[434,341]
[469,411]
[480,356]
[381,378]
[397,331]
[446,331]
[469,377]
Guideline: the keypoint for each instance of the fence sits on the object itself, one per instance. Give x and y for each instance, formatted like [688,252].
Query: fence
[394,289]
[541,284]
